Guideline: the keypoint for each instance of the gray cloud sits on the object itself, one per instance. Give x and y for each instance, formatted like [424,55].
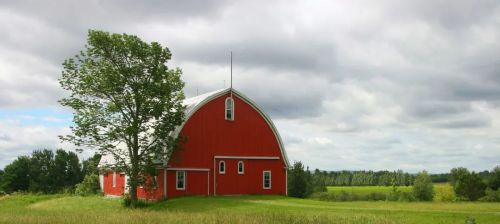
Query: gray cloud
[414,82]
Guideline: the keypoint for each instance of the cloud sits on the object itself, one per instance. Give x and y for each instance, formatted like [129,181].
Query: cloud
[350,85]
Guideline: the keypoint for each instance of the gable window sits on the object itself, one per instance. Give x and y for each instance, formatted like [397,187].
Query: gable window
[180,180]
[266,180]
[241,167]
[229,112]
[114,178]
[222,167]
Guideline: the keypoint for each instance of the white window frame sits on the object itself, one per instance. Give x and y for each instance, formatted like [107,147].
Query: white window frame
[242,167]
[177,180]
[224,170]
[114,178]
[264,179]
[226,109]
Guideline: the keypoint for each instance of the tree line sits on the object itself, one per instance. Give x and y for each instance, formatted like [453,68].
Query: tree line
[364,178]
[47,172]
[467,185]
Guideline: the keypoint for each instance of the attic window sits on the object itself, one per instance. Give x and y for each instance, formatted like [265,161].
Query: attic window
[229,112]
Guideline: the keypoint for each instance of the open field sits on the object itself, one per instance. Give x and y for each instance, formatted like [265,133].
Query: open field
[237,209]
[443,192]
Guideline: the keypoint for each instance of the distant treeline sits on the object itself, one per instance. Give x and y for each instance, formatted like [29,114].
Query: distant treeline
[364,178]
[46,172]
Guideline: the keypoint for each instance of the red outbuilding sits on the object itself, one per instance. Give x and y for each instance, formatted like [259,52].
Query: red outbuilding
[232,148]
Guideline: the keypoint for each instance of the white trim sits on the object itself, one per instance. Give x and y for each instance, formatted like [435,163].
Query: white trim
[286,181]
[177,180]
[114,178]
[101,182]
[264,179]
[232,109]
[217,94]
[190,169]
[215,170]
[242,167]
[246,157]
[208,183]
[222,171]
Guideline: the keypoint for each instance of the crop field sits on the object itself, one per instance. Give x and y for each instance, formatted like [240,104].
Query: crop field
[237,209]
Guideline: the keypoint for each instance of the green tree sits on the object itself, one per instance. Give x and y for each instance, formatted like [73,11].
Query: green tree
[466,184]
[126,102]
[89,185]
[423,189]
[1,180]
[297,181]
[41,166]
[90,165]
[16,175]
[494,182]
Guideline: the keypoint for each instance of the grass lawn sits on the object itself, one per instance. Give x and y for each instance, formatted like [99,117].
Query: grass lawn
[237,209]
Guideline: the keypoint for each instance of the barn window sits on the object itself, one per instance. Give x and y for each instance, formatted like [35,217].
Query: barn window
[222,167]
[114,178]
[266,184]
[241,167]
[229,109]
[180,180]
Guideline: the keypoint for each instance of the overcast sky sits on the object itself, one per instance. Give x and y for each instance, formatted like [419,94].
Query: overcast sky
[352,85]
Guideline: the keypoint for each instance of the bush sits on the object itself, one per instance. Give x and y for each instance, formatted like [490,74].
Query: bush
[89,185]
[423,189]
[491,195]
[126,200]
[348,196]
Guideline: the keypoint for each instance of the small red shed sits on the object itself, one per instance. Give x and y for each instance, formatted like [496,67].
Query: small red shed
[232,148]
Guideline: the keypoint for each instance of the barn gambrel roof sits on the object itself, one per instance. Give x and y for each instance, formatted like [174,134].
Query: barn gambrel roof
[194,103]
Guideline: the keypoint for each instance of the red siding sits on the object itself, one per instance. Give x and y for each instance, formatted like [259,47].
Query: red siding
[196,184]
[108,184]
[208,134]
[251,181]
[156,193]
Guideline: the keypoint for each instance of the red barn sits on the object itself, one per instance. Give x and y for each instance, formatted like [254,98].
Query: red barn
[232,148]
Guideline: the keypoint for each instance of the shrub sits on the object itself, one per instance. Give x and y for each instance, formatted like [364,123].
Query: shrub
[491,195]
[423,189]
[89,185]
[126,201]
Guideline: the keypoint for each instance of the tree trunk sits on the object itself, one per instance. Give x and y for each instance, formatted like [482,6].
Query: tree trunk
[133,191]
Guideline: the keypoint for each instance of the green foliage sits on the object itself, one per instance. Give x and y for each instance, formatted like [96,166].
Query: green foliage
[123,92]
[16,175]
[1,178]
[423,189]
[90,165]
[297,181]
[491,195]
[42,172]
[366,178]
[494,181]
[467,185]
[89,185]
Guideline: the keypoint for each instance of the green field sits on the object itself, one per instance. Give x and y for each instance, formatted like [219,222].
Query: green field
[237,209]
[443,192]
